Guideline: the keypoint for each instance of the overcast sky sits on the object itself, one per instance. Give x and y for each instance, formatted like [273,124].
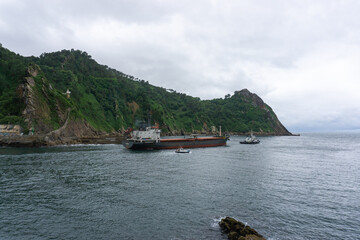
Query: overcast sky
[301,57]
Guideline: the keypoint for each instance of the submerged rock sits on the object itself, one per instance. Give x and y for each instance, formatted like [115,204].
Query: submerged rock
[236,230]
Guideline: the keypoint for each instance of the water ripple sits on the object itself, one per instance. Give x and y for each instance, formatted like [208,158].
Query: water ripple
[286,188]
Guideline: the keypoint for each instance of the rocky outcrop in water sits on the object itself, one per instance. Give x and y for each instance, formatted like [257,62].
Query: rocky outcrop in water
[236,230]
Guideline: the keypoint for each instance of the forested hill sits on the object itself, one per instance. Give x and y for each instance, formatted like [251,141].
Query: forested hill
[106,100]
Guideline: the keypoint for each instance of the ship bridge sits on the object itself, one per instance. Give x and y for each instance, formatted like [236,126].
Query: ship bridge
[151,133]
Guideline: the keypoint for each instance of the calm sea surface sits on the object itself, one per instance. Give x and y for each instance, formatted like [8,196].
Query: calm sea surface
[305,187]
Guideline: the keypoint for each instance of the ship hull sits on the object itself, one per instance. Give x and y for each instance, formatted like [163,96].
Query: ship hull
[174,143]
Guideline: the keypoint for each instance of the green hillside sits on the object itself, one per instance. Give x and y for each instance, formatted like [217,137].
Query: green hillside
[109,100]
[12,71]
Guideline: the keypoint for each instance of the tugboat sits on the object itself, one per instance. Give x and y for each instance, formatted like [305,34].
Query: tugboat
[251,139]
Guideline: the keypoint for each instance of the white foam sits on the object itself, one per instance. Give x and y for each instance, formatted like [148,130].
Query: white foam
[81,145]
[216,221]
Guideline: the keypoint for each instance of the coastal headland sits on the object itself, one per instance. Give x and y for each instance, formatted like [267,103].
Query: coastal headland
[66,97]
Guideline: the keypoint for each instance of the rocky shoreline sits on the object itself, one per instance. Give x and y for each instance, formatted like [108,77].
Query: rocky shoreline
[237,230]
[46,140]
[263,134]
[54,139]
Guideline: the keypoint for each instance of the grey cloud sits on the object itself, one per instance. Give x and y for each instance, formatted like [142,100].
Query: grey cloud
[203,48]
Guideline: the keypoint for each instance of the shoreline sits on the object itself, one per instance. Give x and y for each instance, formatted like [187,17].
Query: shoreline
[47,140]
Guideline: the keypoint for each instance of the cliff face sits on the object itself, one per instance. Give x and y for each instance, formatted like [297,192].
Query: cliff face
[36,111]
[257,102]
[48,112]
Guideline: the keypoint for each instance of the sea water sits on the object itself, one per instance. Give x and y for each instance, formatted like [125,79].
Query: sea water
[305,187]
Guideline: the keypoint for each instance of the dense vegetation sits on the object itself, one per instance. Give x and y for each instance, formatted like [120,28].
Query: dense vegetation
[12,71]
[110,100]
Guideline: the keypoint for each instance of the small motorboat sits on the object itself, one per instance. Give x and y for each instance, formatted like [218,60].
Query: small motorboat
[251,139]
[181,150]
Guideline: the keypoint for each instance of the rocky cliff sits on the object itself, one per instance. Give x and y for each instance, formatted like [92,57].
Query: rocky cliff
[257,102]
[47,111]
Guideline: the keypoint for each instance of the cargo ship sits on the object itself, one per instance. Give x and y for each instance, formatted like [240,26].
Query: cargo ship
[150,139]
